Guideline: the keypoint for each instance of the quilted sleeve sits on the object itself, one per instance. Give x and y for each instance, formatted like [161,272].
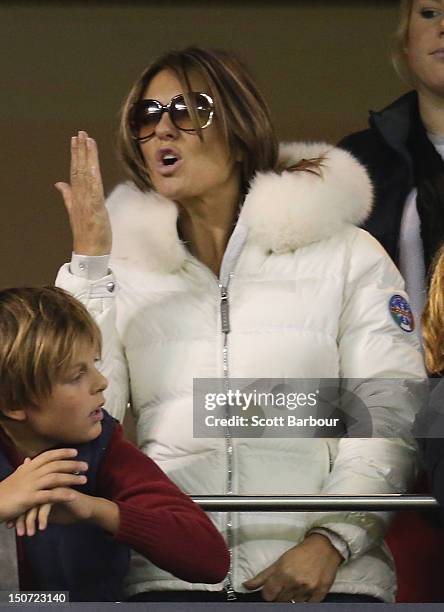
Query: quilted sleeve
[380,362]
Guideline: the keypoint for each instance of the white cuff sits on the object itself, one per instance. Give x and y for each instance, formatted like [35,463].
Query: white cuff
[335,540]
[91,267]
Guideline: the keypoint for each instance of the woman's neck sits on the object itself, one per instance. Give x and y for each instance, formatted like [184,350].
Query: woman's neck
[205,225]
[431,109]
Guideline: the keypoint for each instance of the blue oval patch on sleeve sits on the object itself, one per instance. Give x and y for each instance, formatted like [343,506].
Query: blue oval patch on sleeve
[402,313]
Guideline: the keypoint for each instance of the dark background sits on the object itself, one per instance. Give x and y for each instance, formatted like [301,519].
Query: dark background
[67,66]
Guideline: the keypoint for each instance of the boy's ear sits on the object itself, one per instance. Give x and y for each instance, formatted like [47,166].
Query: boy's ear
[14,414]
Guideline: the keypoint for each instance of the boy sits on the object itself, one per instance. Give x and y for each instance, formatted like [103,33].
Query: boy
[79,495]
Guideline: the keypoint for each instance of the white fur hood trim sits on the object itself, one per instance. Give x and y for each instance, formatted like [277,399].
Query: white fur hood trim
[144,229]
[294,209]
[282,211]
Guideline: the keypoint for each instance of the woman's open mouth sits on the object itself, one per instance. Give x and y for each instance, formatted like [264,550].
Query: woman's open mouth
[167,161]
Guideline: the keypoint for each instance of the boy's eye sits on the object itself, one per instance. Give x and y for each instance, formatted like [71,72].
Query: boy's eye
[77,376]
[428,13]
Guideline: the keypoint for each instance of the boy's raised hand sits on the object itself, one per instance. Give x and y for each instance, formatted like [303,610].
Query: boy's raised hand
[26,523]
[81,507]
[78,508]
[39,481]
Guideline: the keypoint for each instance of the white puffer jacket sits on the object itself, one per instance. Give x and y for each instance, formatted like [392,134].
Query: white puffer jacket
[308,296]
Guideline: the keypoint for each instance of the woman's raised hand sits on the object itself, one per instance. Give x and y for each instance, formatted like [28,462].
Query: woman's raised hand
[84,199]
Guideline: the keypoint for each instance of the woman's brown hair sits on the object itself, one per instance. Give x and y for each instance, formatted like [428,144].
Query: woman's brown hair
[433,317]
[241,113]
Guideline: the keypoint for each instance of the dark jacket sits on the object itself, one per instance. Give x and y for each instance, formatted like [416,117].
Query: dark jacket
[383,150]
[80,558]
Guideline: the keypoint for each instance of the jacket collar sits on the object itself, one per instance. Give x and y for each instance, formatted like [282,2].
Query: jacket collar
[394,122]
[281,212]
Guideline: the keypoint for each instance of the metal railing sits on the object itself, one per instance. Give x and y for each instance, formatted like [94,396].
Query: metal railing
[321,503]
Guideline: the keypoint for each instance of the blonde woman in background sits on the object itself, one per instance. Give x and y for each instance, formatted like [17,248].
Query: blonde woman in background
[433,319]
[403,150]
[431,428]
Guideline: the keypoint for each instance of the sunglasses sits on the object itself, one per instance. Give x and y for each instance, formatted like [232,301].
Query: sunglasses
[146,114]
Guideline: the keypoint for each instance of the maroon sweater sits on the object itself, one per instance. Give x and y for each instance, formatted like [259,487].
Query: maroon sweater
[156,518]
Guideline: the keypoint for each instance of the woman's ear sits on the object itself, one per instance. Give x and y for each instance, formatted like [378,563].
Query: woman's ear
[238,155]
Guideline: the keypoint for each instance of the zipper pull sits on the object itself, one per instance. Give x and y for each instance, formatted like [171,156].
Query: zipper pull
[229,591]
[224,310]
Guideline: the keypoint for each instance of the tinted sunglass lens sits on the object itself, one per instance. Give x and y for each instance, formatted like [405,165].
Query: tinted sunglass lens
[181,116]
[146,115]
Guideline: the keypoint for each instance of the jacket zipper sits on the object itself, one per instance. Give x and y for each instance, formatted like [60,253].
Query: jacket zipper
[225,328]
[232,253]
[330,458]
[231,256]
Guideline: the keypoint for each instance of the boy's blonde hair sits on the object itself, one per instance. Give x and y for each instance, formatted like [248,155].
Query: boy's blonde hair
[433,317]
[40,332]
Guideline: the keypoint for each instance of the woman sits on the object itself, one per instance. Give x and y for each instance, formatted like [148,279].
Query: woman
[430,423]
[403,152]
[404,147]
[433,319]
[231,259]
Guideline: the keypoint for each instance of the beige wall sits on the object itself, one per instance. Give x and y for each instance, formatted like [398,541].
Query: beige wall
[66,67]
